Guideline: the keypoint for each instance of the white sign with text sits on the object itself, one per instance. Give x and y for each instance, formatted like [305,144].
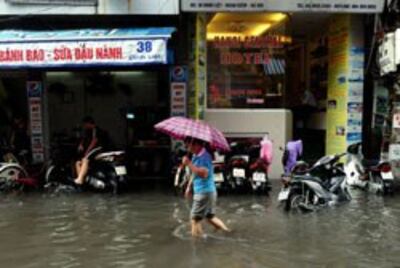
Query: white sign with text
[83,53]
[350,6]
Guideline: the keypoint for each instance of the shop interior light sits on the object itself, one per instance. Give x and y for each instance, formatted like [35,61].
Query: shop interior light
[277,17]
[260,29]
[130,116]
[241,25]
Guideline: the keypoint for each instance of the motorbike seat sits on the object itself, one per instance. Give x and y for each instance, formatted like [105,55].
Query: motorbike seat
[109,155]
[301,171]
[301,168]
[309,178]
[244,158]
[324,183]
[370,163]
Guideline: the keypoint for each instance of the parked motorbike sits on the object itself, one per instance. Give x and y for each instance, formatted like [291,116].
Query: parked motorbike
[220,177]
[372,176]
[237,169]
[321,185]
[180,173]
[107,173]
[182,178]
[258,172]
[13,175]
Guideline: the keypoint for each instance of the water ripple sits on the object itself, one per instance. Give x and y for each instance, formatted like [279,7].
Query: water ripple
[152,230]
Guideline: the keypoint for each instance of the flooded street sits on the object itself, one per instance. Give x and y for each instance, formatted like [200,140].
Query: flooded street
[150,230]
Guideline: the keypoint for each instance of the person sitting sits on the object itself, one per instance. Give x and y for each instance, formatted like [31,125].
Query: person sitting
[93,137]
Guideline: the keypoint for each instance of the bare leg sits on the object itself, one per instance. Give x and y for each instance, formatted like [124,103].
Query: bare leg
[197,230]
[218,224]
[78,166]
[83,171]
[194,231]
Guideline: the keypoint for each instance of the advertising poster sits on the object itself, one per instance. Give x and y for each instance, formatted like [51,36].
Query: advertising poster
[355,104]
[396,120]
[394,152]
[34,93]
[178,91]
[201,64]
[381,105]
[339,40]
[345,83]
[395,133]
[191,91]
[394,147]
[197,67]
[178,99]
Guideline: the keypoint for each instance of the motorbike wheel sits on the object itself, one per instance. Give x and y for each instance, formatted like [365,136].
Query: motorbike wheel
[260,189]
[297,203]
[388,187]
[377,185]
[55,174]
[115,185]
[180,182]
[14,172]
[48,177]
[347,194]
[9,179]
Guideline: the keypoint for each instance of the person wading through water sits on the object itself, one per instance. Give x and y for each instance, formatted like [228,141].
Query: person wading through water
[204,190]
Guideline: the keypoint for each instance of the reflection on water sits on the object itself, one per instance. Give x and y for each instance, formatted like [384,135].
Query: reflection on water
[151,230]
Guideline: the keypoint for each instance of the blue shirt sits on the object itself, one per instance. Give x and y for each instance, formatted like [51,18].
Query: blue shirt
[203,185]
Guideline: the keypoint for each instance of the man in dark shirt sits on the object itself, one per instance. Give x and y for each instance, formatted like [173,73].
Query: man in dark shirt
[93,137]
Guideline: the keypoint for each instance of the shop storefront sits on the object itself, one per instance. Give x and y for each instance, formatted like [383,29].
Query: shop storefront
[293,69]
[384,79]
[119,76]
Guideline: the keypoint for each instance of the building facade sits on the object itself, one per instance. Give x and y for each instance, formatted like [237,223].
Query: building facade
[293,69]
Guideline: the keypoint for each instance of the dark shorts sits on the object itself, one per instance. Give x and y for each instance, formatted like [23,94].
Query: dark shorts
[204,206]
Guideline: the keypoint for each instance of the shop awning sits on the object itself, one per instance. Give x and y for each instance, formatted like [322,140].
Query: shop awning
[84,47]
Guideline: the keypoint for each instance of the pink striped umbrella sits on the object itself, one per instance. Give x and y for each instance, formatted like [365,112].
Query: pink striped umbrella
[181,127]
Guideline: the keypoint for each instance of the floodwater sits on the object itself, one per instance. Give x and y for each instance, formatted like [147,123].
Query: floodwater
[150,229]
